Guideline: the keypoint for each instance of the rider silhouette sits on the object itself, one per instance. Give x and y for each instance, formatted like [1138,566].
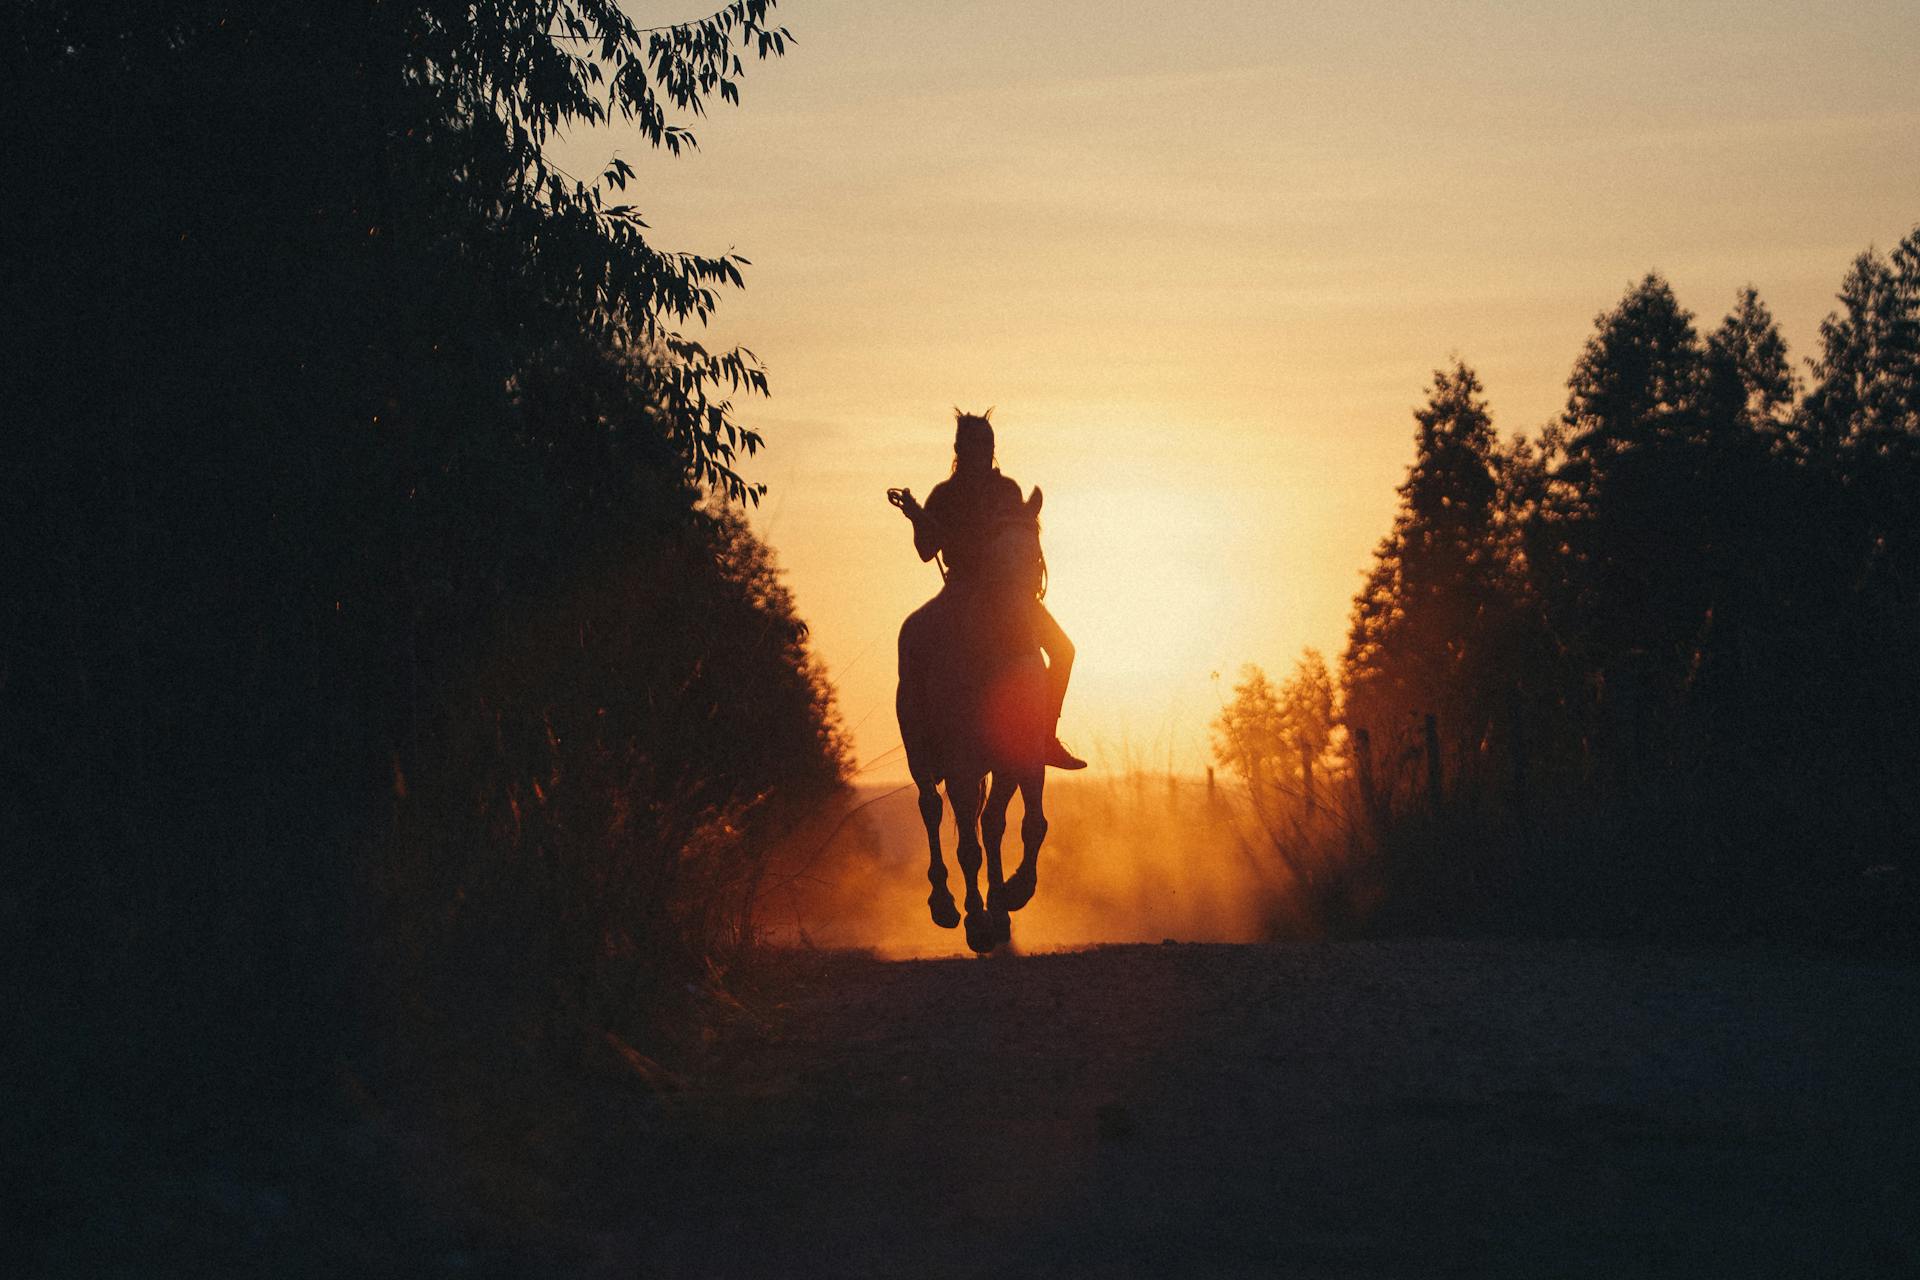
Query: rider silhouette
[955,522]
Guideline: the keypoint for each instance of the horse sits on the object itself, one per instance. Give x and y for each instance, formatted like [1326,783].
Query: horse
[973,709]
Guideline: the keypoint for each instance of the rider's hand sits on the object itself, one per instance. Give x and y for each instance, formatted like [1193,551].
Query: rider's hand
[904,499]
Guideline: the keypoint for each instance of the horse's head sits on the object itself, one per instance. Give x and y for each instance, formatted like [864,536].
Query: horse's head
[1011,559]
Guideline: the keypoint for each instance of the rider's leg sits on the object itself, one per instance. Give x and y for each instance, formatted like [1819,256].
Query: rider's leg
[1059,651]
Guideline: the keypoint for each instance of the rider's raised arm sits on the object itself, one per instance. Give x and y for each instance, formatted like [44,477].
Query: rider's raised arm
[926,534]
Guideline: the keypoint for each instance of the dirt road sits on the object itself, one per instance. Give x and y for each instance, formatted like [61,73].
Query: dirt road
[1393,1109]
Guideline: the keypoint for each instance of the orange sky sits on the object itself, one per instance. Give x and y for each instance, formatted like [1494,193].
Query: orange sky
[1202,258]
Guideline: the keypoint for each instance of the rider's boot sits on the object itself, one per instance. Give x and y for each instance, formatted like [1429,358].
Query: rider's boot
[1058,757]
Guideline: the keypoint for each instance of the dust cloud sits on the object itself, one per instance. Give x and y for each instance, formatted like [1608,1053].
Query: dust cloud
[1134,858]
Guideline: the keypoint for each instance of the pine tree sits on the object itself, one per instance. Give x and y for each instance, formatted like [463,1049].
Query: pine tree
[1631,464]
[1422,632]
[1747,370]
[1637,382]
[1866,380]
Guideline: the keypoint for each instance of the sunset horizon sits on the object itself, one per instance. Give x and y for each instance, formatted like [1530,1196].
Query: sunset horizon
[1206,287]
[836,638]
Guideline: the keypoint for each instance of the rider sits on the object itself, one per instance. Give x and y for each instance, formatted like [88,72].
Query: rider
[955,521]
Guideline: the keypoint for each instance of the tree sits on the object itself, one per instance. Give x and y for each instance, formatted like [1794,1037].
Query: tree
[1747,366]
[1249,736]
[342,426]
[1422,630]
[1866,380]
[1637,381]
[1638,457]
[1273,740]
[1685,612]
[1306,717]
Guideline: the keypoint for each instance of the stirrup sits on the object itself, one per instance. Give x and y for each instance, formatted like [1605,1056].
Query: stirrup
[1058,757]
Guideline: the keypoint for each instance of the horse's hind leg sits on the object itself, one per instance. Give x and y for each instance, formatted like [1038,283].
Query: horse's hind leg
[1033,831]
[940,899]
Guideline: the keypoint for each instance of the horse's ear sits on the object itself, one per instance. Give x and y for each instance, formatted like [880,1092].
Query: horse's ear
[987,416]
[958,412]
[1034,500]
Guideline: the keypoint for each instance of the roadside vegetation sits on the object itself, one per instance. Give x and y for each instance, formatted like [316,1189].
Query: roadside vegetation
[1647,670]
[393,690]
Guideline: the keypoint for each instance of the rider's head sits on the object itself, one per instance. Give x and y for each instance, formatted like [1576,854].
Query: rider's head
[972,442]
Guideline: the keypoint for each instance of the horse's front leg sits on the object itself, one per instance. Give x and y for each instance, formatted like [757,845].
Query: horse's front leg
[940,898]
[1033,831]
[966,795]
[993,828]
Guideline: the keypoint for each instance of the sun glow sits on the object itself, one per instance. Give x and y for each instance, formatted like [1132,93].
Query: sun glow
[1145,563]
[1135,576]
[1205,337]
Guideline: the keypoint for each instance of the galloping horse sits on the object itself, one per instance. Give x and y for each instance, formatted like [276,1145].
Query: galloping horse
[973,706]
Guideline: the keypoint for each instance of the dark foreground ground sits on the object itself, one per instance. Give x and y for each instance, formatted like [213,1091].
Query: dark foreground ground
[1350,1109]
[1341,1110]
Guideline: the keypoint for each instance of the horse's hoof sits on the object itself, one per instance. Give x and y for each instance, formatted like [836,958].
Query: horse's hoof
[1002,927]
[940,905]
[980,932]
[1018,891]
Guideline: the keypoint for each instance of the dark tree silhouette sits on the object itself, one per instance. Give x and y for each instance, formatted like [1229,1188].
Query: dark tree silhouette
[1863,398]
[1422,632]
[1653,670]
[372,622]
[1749,377]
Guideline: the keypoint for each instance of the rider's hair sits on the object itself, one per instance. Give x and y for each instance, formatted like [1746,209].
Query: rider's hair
[972,433]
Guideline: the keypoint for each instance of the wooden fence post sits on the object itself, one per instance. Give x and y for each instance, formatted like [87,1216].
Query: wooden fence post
[1363,771]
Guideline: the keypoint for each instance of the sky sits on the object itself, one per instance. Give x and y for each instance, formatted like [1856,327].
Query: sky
[1202,259]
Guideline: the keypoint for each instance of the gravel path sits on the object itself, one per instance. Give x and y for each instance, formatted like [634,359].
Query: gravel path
[1350,1109]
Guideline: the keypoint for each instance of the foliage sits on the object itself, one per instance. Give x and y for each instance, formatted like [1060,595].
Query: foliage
[1421,633]
[1748,376]
[355,516]
[1863,399]
[1648,670]
[1249,736]
[1278,743]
